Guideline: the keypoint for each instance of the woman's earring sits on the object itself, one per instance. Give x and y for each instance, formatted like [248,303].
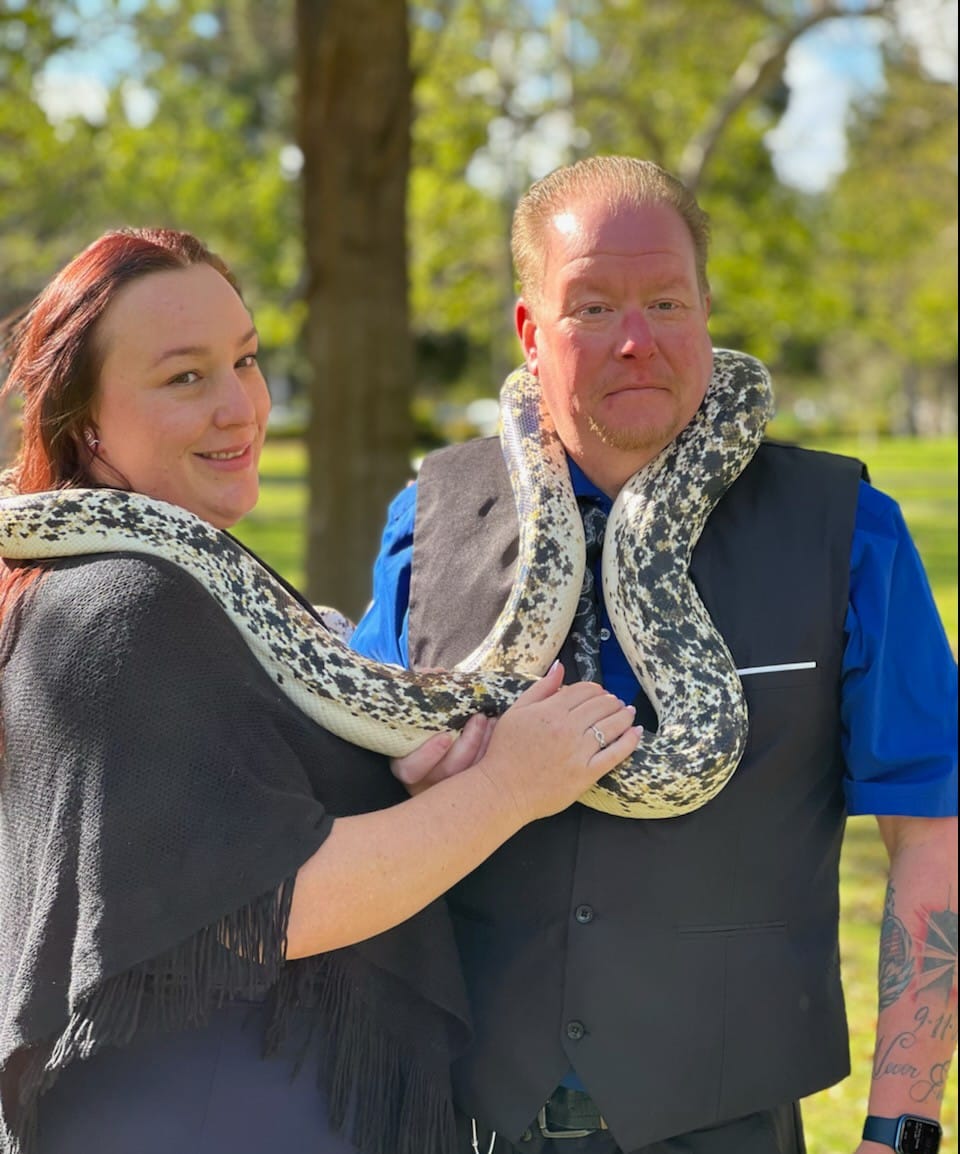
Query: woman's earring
[93,441]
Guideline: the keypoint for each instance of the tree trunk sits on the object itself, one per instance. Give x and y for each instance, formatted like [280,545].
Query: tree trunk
[354,131]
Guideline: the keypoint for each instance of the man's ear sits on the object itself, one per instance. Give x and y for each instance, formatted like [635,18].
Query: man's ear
[527,332]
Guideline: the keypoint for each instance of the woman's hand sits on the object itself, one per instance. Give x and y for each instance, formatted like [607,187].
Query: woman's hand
[546,750]
[444,755]
[377,869]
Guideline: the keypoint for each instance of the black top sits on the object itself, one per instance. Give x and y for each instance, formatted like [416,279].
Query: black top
[158,794]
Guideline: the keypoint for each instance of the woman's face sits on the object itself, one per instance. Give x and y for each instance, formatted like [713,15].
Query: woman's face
[181,405]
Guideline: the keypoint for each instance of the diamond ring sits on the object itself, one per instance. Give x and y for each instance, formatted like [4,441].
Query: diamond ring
[601,740]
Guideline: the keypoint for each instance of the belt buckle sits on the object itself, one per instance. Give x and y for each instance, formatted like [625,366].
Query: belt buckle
[548,1133]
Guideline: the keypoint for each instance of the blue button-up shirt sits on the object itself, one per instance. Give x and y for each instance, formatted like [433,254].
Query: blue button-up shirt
[899,677]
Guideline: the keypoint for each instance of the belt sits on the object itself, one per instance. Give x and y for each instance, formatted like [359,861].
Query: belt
[569,1114]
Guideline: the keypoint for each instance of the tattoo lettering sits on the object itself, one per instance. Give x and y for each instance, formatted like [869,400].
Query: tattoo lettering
[942,1028]
[890,1057]
[896,955]
[893,1057]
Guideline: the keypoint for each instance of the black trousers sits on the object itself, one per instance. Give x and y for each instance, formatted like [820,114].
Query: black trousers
[777,1131]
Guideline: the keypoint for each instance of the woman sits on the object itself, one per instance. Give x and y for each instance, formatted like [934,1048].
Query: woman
[191,870]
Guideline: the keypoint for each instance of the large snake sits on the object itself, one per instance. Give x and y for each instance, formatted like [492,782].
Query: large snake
[660,622]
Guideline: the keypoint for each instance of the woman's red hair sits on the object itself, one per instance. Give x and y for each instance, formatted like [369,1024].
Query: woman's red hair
[55,360]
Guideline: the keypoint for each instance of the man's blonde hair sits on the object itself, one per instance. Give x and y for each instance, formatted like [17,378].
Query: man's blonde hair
[616,180]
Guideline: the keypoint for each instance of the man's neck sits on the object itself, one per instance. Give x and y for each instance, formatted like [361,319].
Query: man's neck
[611,473]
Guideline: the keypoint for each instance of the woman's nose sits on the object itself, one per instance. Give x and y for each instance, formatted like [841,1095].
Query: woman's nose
[235,404]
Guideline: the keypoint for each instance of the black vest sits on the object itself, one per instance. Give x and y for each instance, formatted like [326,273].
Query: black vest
[687,968]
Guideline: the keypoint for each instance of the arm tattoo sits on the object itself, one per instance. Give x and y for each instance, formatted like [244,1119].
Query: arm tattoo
[934,965]
[938,968]
[896,954]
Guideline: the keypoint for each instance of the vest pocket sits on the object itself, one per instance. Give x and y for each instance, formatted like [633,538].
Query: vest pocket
[734,929]
[787,675]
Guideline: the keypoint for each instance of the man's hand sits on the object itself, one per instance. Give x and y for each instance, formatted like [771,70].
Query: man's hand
[444,755]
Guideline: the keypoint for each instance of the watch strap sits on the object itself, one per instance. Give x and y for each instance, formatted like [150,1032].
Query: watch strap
[882,1130]
[891,1132]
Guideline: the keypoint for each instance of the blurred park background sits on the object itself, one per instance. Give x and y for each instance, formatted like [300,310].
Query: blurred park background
[357,162]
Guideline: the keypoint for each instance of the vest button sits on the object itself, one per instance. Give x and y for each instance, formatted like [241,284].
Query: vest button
[575,1030]
[605,634]
[584,914]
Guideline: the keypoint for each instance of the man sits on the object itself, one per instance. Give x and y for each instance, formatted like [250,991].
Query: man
[650,987]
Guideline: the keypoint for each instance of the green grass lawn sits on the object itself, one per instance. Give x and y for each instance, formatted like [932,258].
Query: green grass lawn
[922,476]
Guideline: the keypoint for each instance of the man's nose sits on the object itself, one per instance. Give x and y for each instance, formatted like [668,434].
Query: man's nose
[636,335]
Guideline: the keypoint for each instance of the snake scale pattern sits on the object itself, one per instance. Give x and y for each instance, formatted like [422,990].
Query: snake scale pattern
[660,622]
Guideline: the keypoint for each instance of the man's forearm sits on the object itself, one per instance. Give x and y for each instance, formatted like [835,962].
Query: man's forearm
[917,1022]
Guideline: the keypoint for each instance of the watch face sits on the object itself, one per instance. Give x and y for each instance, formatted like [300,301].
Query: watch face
[918,1136]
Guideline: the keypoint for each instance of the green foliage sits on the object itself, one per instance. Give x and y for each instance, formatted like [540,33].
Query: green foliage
[634,95]
[850,295]
[37,161]
[890,249]
[192,137]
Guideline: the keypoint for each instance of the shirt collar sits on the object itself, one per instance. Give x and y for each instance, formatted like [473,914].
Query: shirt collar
[584,487]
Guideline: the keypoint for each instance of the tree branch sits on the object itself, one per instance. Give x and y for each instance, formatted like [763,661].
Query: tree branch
[759,70]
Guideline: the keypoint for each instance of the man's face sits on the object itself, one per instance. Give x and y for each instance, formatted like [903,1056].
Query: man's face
[618,335]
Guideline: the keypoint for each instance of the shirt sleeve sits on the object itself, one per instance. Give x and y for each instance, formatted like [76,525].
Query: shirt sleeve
[382,631]
[899,681]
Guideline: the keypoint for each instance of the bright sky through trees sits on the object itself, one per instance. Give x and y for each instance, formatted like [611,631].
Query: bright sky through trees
[827,68]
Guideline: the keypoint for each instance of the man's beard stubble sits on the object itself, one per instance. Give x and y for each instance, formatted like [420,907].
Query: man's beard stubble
[634,440]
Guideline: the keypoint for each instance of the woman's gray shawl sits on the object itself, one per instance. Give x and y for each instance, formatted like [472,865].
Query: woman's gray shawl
[157,796]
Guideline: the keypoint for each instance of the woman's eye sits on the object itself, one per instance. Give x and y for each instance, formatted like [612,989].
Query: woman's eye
[187,378]
[247,362]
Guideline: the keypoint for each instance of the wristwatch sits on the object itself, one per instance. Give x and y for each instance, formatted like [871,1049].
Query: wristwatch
[908,1134]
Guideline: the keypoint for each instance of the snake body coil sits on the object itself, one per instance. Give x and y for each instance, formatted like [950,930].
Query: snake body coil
[660,622]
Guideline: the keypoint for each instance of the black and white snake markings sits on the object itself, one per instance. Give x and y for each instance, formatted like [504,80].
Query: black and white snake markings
[659,620]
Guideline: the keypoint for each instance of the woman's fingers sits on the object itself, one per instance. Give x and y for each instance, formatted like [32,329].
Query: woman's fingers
[608,757]
[541,689]
[604,717]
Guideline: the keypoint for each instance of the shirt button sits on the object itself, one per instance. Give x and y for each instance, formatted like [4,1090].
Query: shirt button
[604,634]
[575,1030]
[584,914]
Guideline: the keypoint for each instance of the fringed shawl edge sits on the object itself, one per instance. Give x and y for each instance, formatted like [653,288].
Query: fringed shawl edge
[382,1095]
